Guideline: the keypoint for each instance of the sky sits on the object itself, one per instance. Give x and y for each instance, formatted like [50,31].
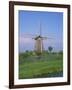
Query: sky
[51,27]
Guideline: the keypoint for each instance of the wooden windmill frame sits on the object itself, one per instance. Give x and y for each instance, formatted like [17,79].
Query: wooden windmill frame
[12,42]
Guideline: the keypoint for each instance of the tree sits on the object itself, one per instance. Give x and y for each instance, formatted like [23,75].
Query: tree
[50,49]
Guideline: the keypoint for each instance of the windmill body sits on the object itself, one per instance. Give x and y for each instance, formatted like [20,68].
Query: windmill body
[39,45]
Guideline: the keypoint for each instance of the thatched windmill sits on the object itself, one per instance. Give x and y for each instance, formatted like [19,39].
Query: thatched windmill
[39,46]
[39,42]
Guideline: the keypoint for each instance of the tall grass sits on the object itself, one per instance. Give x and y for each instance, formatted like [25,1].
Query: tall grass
[47,65]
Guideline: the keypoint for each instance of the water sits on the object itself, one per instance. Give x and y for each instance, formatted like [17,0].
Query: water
[49,75]
[56,74]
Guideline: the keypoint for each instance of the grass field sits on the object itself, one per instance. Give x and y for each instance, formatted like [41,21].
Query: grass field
[46,65]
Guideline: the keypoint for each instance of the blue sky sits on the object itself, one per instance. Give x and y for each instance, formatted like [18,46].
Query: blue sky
[51,27]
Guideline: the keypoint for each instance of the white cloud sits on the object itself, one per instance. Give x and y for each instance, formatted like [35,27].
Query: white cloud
[23,40]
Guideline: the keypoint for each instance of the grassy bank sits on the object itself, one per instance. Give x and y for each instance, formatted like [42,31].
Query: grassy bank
[48,65]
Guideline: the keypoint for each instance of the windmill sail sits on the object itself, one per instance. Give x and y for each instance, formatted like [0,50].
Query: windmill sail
[40,30]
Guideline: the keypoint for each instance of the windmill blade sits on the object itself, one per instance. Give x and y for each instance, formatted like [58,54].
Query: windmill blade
[33,38]
[40,30]
[46,38]
[29,35]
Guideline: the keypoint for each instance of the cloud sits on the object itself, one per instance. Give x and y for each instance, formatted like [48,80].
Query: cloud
[24,39]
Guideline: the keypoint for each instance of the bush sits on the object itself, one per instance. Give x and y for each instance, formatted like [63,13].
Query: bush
[61,52]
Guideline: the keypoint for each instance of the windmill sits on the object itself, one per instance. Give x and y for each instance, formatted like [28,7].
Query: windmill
[39,46]
[39,42]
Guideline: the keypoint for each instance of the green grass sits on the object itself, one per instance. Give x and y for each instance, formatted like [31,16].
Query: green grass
[48,65]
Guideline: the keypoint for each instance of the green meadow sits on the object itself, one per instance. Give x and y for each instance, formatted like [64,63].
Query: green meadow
[46,65]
